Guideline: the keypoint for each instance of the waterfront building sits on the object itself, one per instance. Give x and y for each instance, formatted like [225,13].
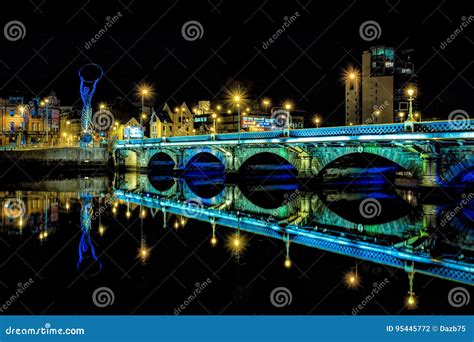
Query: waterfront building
[376,94]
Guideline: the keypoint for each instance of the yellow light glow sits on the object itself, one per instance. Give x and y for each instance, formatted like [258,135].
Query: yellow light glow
[228,111]
[218,107]
[236,243]
[176,225]
[114,210]
[287,263]
[350,74]
[67,205]
[411,302]
[213,241]
[266,102]
[143,213]
[68,122]
[101,230]
[410,91]
[352,280]
[288,106]
[214,115]
[128,214]
[144,253]
[102,106]
[143,116]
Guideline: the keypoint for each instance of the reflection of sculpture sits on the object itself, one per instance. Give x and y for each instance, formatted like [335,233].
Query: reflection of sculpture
[87,90]
[85,245]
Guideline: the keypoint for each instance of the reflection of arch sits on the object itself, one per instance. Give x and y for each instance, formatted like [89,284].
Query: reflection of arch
[394,155]
[162,161]
[402,227]
[161,183]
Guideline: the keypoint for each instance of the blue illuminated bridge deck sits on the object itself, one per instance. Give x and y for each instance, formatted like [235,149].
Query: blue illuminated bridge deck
[434,130]
[327,240]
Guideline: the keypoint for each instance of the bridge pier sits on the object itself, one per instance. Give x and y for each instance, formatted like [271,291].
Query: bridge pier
[430,171]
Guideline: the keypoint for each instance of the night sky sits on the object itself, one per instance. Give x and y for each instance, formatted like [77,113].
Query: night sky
[304,64]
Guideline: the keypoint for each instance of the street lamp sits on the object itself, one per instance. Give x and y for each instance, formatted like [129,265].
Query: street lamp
[266,103]
[288,107]
[214,116]
[45,103]
[317,121]
[410,92]
[144,92]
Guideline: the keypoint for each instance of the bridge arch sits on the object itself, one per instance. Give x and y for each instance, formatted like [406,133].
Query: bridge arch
[279,154]
[162,161]
[461,170]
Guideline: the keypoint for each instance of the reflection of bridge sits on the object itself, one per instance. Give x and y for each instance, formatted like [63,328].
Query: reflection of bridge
[435,153]
[322,237]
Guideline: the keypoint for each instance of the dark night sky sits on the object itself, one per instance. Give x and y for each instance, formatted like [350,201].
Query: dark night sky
[303,65]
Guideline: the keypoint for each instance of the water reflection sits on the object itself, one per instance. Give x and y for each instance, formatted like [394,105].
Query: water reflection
[394,227]
[387,226]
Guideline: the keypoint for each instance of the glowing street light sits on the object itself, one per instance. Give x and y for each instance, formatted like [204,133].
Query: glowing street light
[266,103]
[317,121]
[411,93]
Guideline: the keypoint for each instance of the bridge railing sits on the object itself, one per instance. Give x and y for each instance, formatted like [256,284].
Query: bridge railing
[425,127]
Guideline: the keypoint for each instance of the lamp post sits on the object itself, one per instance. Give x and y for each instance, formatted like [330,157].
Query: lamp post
[317,121]
[214,117]
[266,103]
[237,99]
[45,104]
[288,107]
[410,92]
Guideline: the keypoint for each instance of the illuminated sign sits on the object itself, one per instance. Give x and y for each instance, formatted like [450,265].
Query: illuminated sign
[133,132]
[249,121]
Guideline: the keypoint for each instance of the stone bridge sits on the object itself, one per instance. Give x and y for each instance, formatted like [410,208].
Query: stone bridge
[435,153]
